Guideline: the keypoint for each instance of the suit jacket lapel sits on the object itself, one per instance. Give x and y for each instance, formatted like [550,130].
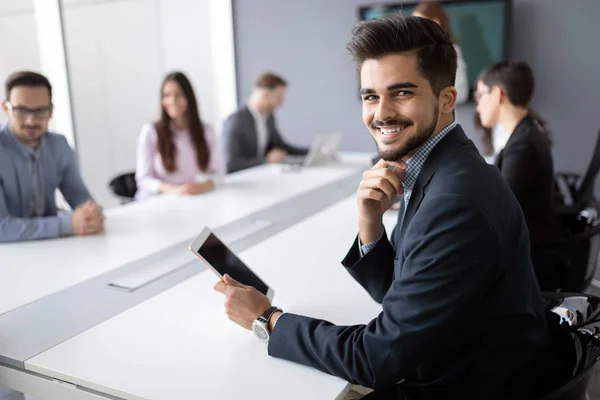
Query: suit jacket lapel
[498,161]
[272,135]
[251,127]
[514,137]
[453,139]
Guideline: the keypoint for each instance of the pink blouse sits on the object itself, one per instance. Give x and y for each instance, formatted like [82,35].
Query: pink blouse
[150,171]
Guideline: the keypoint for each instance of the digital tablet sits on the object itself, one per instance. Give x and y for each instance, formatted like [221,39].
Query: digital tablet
[221,260]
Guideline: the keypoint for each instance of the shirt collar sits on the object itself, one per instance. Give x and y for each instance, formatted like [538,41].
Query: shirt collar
[416,161]
[255,113]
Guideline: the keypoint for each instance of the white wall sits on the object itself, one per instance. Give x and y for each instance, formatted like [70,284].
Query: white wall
[53,65]
[118,52]
[223,58]
[19,48]
[114,68]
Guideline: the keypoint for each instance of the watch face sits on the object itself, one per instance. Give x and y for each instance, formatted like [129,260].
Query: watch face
[260,330]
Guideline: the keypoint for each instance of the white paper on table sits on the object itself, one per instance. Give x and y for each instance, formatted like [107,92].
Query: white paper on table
[576,303]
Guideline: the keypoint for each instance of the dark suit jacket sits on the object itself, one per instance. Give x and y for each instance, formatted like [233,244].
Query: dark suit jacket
[526,165]
[240,140]
[462,313]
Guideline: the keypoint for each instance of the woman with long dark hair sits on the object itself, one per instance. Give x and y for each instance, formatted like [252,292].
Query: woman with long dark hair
[177,154]
[504,92]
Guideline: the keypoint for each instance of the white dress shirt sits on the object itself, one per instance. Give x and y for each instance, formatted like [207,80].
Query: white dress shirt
[261,129]
[499,138]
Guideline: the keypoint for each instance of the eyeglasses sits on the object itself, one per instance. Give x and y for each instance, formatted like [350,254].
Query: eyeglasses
[477,94]
[41,113]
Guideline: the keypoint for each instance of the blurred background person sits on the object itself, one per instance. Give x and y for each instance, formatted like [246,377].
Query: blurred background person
[33,164]
[250,135]
[504,91]
[494,139]
[177,154]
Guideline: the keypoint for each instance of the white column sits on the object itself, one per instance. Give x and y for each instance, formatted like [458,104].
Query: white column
[223,59]
[54,65]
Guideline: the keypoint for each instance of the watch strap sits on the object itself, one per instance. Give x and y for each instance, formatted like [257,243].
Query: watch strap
[268,313]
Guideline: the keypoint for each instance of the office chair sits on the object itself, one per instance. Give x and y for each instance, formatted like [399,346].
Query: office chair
[587,348]
[576,341]
[124,187]
[585,337]
[577,257]
[579,191]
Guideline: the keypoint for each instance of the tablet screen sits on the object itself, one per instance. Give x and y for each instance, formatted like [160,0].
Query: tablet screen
[225,262]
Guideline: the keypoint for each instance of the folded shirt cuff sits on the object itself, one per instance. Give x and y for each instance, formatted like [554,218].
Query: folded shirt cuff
[366,248]
[65,227]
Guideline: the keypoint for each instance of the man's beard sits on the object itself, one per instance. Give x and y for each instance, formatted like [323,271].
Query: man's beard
[412,143]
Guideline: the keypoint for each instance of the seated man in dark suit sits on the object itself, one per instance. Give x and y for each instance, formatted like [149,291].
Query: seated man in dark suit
[462,313]
[33,164]
[504,91]
[250,135]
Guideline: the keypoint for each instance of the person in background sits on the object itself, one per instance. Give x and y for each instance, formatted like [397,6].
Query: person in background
[504,91]
[250,134]
[434,11]
[494,139]
[177,154]
[33,164]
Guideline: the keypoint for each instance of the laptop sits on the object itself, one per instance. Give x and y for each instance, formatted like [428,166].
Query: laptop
[321,152]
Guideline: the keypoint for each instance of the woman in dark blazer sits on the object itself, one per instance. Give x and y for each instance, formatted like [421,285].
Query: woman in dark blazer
[504,91]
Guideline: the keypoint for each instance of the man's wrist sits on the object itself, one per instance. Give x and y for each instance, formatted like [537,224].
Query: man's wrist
[369,232]
[273,321]
[166,188]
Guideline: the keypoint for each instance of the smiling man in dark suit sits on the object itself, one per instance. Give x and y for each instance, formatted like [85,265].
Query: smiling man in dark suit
[462,313]
[250,135]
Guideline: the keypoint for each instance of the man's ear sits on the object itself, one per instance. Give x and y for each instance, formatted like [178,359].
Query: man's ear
[498,94]
[448,100]
[5,106]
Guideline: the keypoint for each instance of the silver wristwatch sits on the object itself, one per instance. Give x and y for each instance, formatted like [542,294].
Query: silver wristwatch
[260,326]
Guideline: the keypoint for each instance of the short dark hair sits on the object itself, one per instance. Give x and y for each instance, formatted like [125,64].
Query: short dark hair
[397,33]
[269,80]
[514,77]
[26,78]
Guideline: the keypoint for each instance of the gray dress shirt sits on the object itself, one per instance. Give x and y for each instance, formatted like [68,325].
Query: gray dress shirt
[28,180]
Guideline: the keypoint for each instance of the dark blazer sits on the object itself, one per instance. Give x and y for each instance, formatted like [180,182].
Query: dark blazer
[526,165]
[462,313]
[240,141]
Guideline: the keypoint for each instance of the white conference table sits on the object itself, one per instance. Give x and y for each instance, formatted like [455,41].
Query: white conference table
[180,345]
[33,270]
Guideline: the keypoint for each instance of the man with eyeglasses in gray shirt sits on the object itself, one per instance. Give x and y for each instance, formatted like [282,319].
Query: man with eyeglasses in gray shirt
[33,164]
